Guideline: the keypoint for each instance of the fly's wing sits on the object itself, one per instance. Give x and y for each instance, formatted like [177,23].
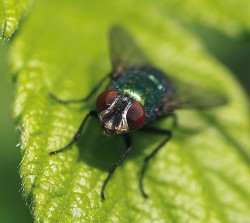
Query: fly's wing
[185,95]
[125,53]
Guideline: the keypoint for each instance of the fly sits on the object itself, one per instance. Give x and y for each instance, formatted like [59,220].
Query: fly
[138,94]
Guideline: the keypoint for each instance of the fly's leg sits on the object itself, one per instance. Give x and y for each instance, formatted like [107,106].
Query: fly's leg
[78,133]
[112,169]
[91,93]
[152,130]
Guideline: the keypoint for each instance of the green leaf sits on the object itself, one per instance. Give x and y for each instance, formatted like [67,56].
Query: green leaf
[231,17]
[11,11]
[201,175]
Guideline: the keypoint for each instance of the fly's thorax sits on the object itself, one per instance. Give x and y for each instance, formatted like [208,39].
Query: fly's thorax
[119,113]
[148,86]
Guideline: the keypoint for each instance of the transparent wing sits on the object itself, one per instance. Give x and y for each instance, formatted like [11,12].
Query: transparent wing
[125,53]
[186,95]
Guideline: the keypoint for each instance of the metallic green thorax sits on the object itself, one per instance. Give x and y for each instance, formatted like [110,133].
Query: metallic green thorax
[147,86]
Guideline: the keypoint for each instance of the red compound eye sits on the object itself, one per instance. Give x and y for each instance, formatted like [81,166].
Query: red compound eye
[136,116]
[105,99]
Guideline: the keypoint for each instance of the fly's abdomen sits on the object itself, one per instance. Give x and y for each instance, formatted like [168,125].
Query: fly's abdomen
[147,86]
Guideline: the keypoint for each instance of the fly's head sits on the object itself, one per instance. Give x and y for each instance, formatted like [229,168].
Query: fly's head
[119,113]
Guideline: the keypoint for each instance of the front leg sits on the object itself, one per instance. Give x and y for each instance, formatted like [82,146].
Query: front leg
[81,100]
[78,133]
[152,130]
[112,169]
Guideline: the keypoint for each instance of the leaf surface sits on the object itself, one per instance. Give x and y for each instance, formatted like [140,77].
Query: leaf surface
[11,12]
[201,175]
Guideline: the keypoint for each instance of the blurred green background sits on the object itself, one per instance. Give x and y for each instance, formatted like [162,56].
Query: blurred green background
[12,205]
[234,54]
